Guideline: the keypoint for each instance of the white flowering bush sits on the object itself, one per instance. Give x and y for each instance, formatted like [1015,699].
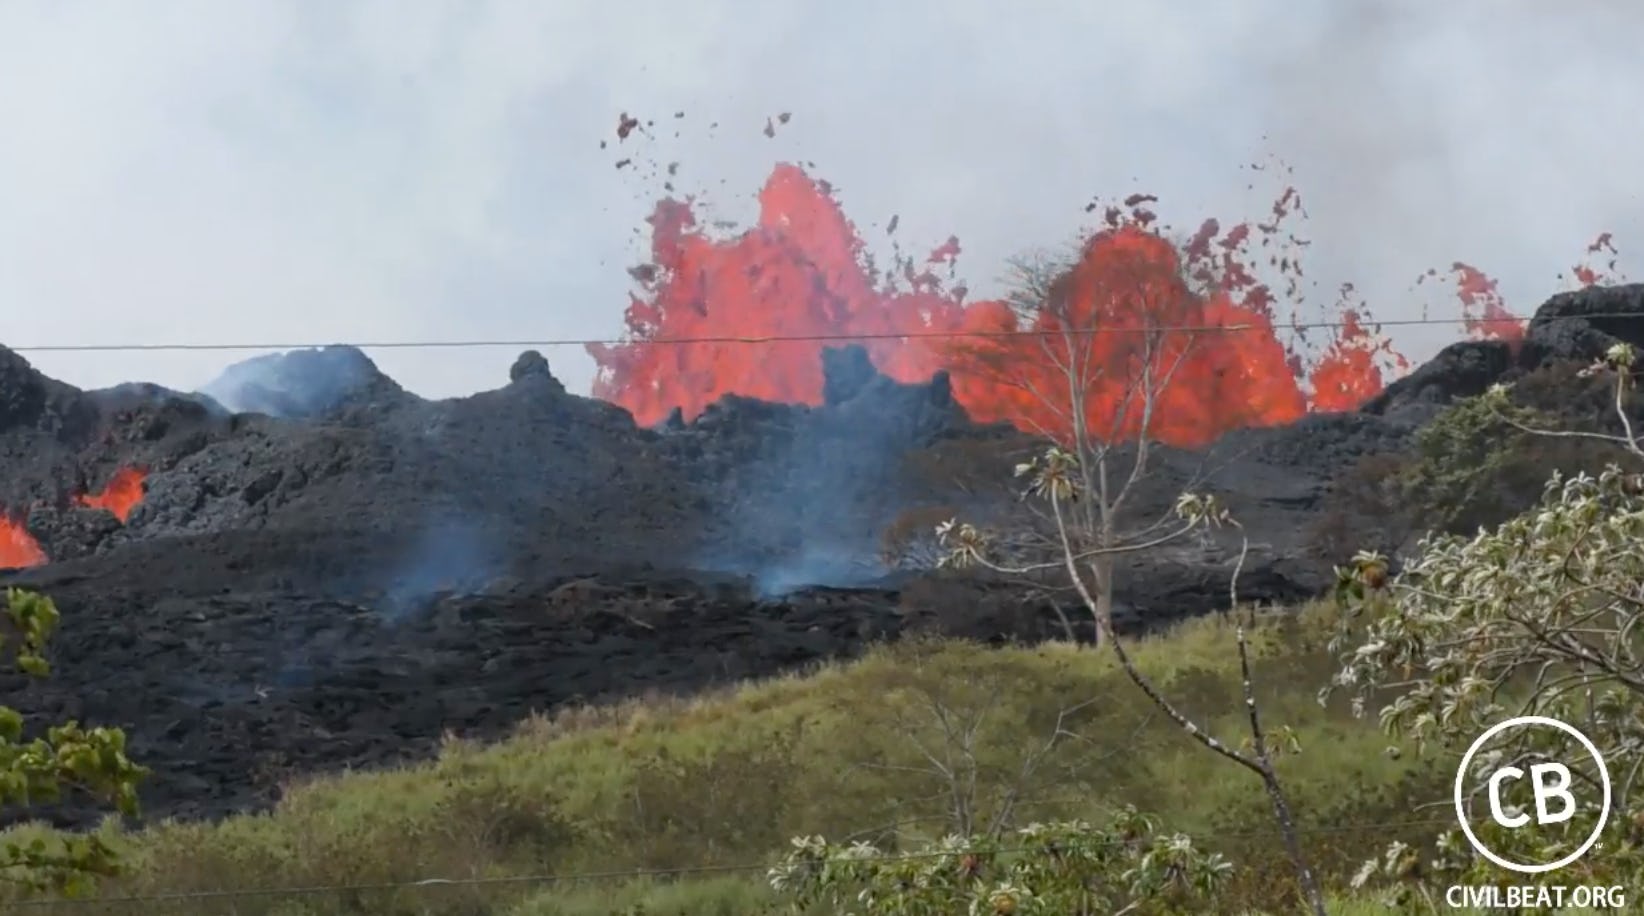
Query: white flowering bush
[1070,868]
[1539,616]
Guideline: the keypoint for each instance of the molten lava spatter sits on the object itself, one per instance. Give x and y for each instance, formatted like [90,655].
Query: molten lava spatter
[1355,366]
[1604,274]
[1349,374]
[1193,315]
[18,548]
[799,272]
[1208,363]
[122,494]
[1482,307]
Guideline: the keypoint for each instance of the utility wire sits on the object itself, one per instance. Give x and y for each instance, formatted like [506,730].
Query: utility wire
[635,873]
[768,338]
[630,874]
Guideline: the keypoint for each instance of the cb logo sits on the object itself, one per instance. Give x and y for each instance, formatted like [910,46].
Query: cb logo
[1551,782]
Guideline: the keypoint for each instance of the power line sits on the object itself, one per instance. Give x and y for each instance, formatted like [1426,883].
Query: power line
[769,338]
[631,874]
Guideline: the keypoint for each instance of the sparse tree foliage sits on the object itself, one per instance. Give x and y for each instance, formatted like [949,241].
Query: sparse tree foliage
[910,542]
[66,757]
[971,779]
[1538,616]
[1084,490]
[1112,346]
[1056,480]
[1067,869]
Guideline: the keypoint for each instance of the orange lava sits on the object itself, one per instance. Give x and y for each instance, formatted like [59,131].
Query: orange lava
[1605,274]
[798,273]
[801,271]
[1213,361]
[1486,314]
[122,494]
[18,548]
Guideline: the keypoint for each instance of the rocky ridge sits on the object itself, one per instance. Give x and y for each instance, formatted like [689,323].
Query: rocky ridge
[340,585]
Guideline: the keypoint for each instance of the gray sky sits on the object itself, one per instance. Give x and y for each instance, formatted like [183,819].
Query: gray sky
[410,169]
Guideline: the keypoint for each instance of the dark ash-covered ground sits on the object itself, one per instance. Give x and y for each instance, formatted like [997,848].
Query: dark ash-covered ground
[339,585]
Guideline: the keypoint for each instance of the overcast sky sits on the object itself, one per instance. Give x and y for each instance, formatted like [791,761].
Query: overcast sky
[336,170]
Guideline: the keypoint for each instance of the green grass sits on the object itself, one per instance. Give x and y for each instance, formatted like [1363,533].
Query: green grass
[723,781]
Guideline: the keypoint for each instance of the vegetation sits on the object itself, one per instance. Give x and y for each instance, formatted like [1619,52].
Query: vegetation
[1112,390]
[1088,544]
[1478,463]
[708,791]
[717,786]
[67,756]
[943,777]
[1069,868]
[1535,618]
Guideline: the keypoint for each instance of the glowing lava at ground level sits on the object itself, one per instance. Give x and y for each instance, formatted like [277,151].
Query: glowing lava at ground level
[123,493]
[20,550]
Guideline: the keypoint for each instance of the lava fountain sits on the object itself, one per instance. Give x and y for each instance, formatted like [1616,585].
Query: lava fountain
[1191,309]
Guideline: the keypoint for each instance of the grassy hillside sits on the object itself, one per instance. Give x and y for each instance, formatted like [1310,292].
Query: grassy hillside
[715,786]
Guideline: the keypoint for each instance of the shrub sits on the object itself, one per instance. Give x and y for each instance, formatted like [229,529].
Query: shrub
[1467,468]
[1534,617]
[67,755]
[1070,868]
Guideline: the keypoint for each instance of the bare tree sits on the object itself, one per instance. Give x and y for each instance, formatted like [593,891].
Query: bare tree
[975,753]
[978,796]
[1112,335]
